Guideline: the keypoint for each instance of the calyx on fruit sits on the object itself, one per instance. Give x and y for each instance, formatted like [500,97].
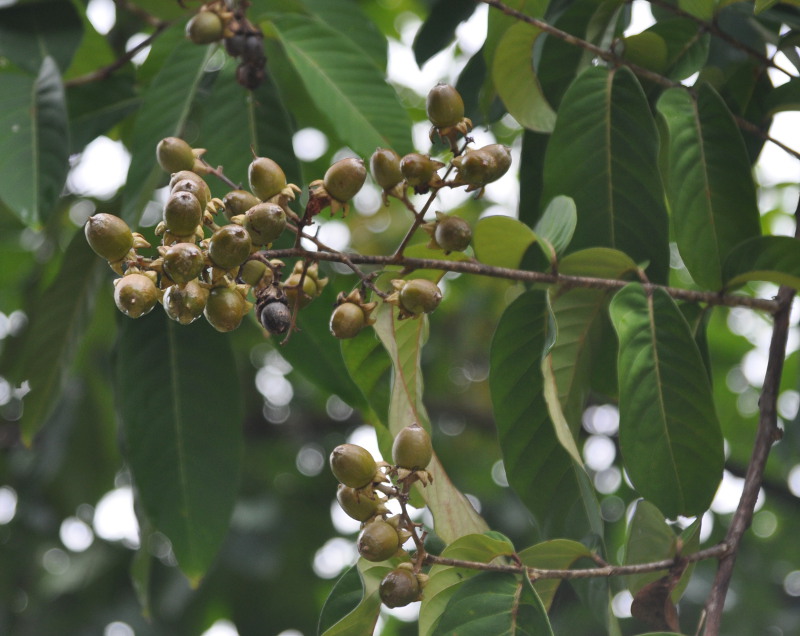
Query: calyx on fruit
[312,284]
[182,261]
[351,315]
[174,154]
[229,246]
[415,297]
[412,448]
[449,233]
[205,27]
[136,294]
[182,214]
[378,541]
[264,222]
[477,168]
[353,465]
[360,504]
[225,308]
[420,172]
[185,303]
[445,109]
[400,587]
[109,236]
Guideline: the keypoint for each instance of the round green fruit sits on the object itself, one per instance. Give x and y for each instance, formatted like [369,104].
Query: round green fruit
[385,167]
[197,187]
[135,295]
[109,236]
[265,222]
[185,303]
[291,289]
[417,169]
[378,541]
[453,234]
[347,321]
[356,503]
[412,448]
[420,296]
[174,154]
[276,317]
[352,465]
[253,272]
[182,213]
[444,106]
[224,308]
[499,160]
[345,178]
[183,262]
[238,202]
[229,246]
[266,178]
[204,28]
[399,588]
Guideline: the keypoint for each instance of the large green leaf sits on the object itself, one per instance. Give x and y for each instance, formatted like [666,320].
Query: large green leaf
[540,471]
[370,367]
[557,223]
[669,435]
[710,188]
[515,78]
[603,154]
[49,343]
[165,107]
[361,620]
[687,46]
[772,258]
[558,554]
[345,596]
[439,28]
[179,400]
[348,89]
[495,604]
[445,579]
[31,32]
[453,515]
[501,241]
[34,144]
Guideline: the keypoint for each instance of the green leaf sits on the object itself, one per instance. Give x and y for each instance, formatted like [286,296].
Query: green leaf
[348,89]
[711,190]
[703,9]
[540,471]
[603,154]
[48,345]
[453,515]
[439,28]
[785,97]
[515,79]
[494,603]
[669,435]
[501,241]
[598,262]
[174,434]
[31,32]
[557,223]
[370,368]
[771,258]
[361,620]
[34,150]
[445,580]
[763,5]
[687,46]
[558,554]
[531,161]
[165,109]
[343,599]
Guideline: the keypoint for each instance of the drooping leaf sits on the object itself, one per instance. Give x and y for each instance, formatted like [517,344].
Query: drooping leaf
[515,78]
[539,470]
[370,367]
[686,46]
[557,223]
[494,603]
[670,438]
[703,9]
[343,599]
[557,554]
[603,154]
[180,406]
[34,146]
[501,241]
[348,90]
[598,262]
[439,28]
[711,190]
[531,161]
[361,620]
[165,107]
[31,32]
[445,579]
[50,342]
[771,258]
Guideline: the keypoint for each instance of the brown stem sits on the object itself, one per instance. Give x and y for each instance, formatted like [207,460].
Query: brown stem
[480,269]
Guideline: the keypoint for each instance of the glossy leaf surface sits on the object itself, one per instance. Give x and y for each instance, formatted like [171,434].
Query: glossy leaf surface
[771,258]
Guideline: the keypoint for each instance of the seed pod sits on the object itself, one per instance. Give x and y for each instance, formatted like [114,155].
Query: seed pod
[412,448]
[399,588]
[174,154]
[385,167]
[418,169]
[352,465]
[109,236]
[204,28]
[229,246]
[135,295]
[452,234]
[253,272]
[356,503]
[347,321]
[187,174]
[444,106]
[183,262]
[265,222]
[266,178]
[276,317]
[185,303]
[345,178]
[198,187]
[378,541]
[238,202]
[225,308]
[292,291]
[500,160]
[420,296]
[182,213]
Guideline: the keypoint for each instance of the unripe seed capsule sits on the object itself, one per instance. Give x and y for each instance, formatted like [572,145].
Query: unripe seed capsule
[352,465]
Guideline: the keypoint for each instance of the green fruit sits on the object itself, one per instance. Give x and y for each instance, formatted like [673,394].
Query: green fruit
[356,503]
[266,178]
[352,465]
[444,106]
[474,168]
[412,448]
[399,588]
[453,234]
[344,178]
[347,321]
[183,262]
[174,154]
[197,187]
[225,308]
[420,296]
[229,246]
[109,236]
[183,213]
[265,222]
[291,289]
[254,271]
[500,160]
[205,28]
[276,317]
[385,167]
[135,295]
[417,169]
[378,541]
[186,174]
[238,202]
[185,303]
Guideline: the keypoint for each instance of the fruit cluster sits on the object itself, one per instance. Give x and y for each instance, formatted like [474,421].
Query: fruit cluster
[364,489]
[212,259]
